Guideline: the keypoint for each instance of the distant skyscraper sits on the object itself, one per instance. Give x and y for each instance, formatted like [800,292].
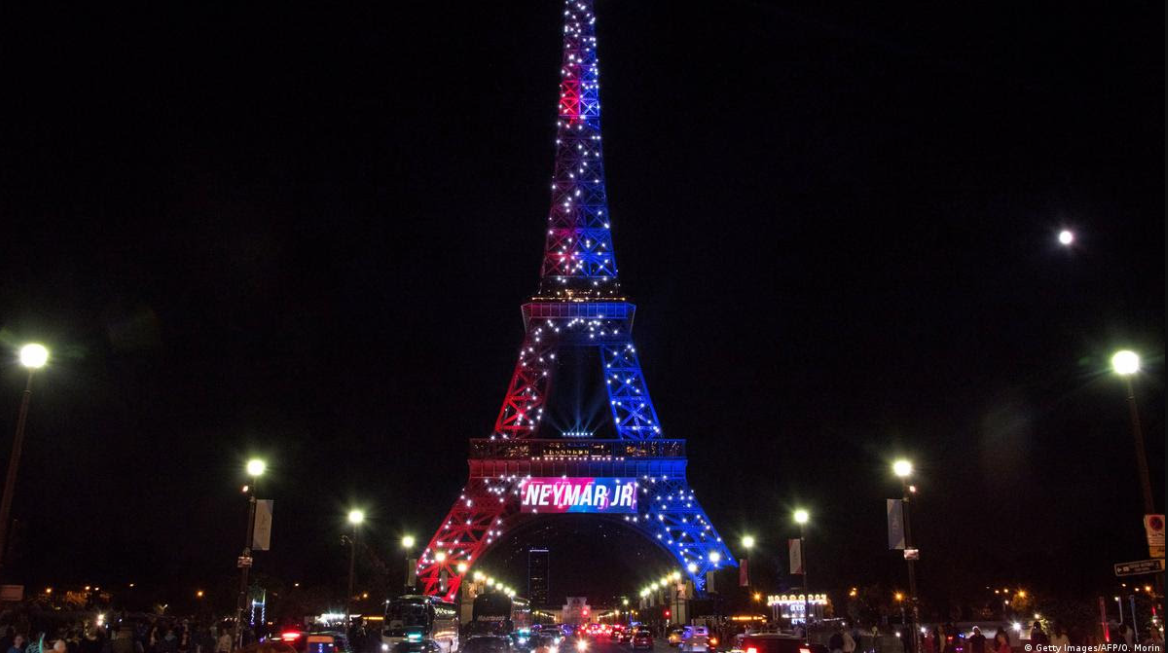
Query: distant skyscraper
[538,580]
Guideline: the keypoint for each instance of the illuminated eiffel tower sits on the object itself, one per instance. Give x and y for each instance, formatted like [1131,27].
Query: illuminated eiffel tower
[637,478]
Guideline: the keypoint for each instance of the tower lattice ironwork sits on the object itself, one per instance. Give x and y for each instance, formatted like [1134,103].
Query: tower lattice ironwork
[579,304]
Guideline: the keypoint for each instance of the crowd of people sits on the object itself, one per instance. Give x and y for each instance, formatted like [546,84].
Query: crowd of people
[126,636]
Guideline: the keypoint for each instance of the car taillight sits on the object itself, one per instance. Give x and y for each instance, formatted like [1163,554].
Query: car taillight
[290,636]
[804,650]
[713,641]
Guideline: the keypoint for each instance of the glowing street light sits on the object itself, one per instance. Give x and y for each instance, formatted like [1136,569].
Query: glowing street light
[748,542]
[715,557]
[692,567]
[407,543]
[802,517]
[1126,364]
[255,468]
[356,518]
[1066,237]
[33,357]
[902,468]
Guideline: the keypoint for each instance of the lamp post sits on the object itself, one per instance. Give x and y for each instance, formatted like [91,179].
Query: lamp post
[747,545]
[255,469]
[801,518]
[1126,364]
[355,518]
[903,470]
[407,543]
[33,357]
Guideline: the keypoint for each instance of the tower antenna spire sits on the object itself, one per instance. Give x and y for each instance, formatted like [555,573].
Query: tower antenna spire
[579,260]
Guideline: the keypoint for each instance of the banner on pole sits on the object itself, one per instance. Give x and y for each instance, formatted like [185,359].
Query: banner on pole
[412,573]
[895,524]
[795,549]
[710,582]
[261,538]
[743,574]
[1154,527]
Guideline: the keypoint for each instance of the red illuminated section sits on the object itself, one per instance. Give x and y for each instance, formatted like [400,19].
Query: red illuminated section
[579,73]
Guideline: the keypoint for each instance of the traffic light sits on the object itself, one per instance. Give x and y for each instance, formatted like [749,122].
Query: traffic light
[668,614]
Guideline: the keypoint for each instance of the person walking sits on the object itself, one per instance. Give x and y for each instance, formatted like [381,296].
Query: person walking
[977,641]
[1002,641]
[1038,636]
[18,644]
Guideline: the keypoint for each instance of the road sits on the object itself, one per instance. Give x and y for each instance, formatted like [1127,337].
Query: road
[659,646]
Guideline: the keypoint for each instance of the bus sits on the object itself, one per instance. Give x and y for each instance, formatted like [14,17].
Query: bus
[497,613]
[417,618]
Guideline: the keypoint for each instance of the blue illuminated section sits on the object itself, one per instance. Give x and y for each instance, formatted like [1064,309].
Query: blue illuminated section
[633,414]
[578,253]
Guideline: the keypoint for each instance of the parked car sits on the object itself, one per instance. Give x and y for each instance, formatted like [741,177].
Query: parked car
[675,635]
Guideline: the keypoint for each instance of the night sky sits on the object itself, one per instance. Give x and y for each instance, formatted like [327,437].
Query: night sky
[304,231]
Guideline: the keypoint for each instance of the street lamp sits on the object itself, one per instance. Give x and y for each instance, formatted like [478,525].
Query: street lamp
[33,357]
[356,517]
[407,543]
[1126,363]
[801,518]
[903,469]
[255,469]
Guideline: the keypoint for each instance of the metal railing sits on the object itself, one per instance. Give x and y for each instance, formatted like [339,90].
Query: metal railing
[568,448]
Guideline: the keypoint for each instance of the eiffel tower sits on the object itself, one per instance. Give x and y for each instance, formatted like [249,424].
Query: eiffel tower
[519,473]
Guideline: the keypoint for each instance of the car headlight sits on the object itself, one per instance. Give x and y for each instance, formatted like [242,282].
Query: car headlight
[385,647]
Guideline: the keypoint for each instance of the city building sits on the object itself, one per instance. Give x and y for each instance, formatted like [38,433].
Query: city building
[538,577]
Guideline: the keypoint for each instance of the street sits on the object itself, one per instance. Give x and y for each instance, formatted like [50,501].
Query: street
[659,646]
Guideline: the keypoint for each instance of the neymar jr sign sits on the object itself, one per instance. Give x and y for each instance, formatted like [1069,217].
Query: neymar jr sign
[579,494]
